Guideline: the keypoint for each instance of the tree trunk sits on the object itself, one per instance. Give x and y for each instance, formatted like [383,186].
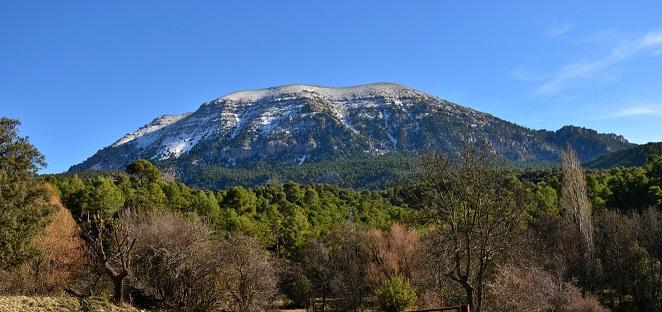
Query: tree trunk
[470,298]
[118,287]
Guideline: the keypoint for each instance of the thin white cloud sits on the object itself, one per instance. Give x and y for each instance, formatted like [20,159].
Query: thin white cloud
[652,39]
[558,30]
[648,44]
[523,73]
[632,112]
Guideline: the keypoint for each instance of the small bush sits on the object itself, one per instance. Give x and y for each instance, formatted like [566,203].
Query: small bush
[396,295]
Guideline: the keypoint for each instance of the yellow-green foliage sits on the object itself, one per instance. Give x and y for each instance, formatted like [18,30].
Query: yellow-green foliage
[396,295]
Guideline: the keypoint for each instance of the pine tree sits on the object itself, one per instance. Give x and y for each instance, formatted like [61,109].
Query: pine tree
[25,207]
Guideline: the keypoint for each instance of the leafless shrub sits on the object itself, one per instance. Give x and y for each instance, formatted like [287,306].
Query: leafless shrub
[530,288]
[248,279]
[571,300]
[522,289]
[176,261]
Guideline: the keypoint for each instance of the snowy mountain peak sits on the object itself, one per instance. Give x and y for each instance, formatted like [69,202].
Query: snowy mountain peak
[360,91]
[297,124]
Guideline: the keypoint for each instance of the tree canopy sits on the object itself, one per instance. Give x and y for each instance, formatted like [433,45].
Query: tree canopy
[25,207]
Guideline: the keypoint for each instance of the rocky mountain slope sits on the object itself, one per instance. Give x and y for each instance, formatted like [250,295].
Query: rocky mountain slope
[297,124]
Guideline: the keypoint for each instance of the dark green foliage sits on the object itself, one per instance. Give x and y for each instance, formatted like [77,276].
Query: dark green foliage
[635,156]
[297,287]
[144,171]
[97,196]
[25,206]
[364,173]
[622,188]
[283,217]
[627,188]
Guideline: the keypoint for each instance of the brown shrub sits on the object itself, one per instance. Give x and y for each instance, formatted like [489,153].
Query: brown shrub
[571,300]
[175,261]
[393,253]
[248,278]
[522,289]
[530,288]
[61,257]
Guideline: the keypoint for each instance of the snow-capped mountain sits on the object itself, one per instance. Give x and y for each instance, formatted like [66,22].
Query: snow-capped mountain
[297,124]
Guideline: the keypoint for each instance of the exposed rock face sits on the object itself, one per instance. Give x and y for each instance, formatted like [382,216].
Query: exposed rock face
[296,124]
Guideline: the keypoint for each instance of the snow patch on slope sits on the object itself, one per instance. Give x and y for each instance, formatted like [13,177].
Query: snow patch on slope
[151,127]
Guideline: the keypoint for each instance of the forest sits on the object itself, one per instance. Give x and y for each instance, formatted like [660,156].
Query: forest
[468,231]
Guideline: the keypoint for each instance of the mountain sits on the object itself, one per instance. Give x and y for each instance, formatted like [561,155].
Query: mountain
[587,143]
[631,157]
[294,125]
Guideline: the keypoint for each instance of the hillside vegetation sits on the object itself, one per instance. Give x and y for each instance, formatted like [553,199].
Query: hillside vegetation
[631,157]
[462,231]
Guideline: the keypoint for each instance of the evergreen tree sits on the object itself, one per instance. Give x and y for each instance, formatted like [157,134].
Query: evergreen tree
[25,207]
[143,171]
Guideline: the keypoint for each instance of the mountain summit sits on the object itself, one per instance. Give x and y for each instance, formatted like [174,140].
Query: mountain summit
[297,124]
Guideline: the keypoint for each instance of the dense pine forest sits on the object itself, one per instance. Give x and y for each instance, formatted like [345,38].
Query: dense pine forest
[449,232]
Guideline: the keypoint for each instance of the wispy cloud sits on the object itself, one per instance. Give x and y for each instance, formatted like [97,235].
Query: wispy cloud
[648,44]
[652,39]
[654,111]
[558,30]
[523,73]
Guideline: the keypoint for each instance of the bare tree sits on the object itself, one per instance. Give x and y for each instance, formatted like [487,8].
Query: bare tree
[248,279]
[109,245]
[349,261]
[315,260]
[176,261]
[478,213]
[574,198]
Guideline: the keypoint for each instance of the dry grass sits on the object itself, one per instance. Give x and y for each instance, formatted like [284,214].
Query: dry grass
[53,304]
[64,304]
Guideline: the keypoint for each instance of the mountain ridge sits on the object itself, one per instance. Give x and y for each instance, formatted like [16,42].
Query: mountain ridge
[296,124]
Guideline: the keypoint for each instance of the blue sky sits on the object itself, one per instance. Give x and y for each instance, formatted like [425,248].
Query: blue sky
[80,74]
